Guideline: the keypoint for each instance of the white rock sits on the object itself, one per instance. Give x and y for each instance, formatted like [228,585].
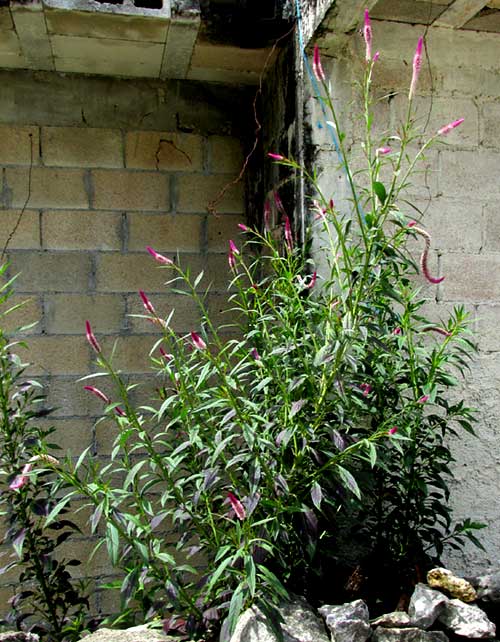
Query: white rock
[425,606]
[467,620]
[347,622]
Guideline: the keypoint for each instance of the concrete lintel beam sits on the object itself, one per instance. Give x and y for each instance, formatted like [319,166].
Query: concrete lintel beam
[31,29]
[459,13]
[179,47]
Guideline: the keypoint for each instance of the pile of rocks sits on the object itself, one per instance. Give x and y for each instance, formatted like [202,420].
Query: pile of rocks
[437,610]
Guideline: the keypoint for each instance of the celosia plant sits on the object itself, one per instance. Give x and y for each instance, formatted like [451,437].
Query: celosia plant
[330,398]
[46,599]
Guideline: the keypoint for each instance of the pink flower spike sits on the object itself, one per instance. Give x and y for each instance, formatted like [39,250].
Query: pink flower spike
[233,247]
[91,338]
[396,331]
[148,306]
[278,202]
[366,389]
[198,341]
[120,412]
[367,34]
[424,256]
[317,66]
[288,234]
[98,393]
[447,128]
[312,282]
[393,430]
[159,257]
[382,151]
[423,399]
[417,65]
[435,328]
[376,56]
[412,223]
[237,506]
[276,157]
[167,356]
[255,354]
[243,227]
[267,215]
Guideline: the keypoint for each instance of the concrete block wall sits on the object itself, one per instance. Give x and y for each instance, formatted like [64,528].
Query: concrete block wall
[79,201]
[458,191]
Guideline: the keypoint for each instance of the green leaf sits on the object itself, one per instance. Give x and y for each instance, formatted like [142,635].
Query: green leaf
[250,573]
[348,481]
[112,542]
[380,191]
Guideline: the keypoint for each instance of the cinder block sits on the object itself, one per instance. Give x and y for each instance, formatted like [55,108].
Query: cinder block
[130,273]
[167,232]
[471,277]
[58,355]
[69,399]
[67,313]
[82,147]
[128,190]
[489,125]
[186,313]
[464,173]
[164,151]
[57,188]
[221,229]
[20,229]
[47,272]
[131,353]
[225,317]
[491,241]
[196,193]
[18,145]
[69,434]
[436,112]
[488,322]
[80,230]
[453,224]
[93,564]
[226,155]
[29,312]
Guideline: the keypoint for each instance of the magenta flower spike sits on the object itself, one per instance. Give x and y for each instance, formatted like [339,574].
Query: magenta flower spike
[312,282]
[243,227]
[365,389]
[417,65]
[436,328]
[393,430]
[22,479]
[166,355]
[198,341]
[148,306]
[267,215]
[396,331]
[425,254]
[376,56]
[91,338]
[98,393]
[255,354]
[288,234]
[278,202]
[367,34]
[233,251]
[276,157]
[423,399]
[237,506]
[382,151]
[159,257]
[447,128]
[317,66]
